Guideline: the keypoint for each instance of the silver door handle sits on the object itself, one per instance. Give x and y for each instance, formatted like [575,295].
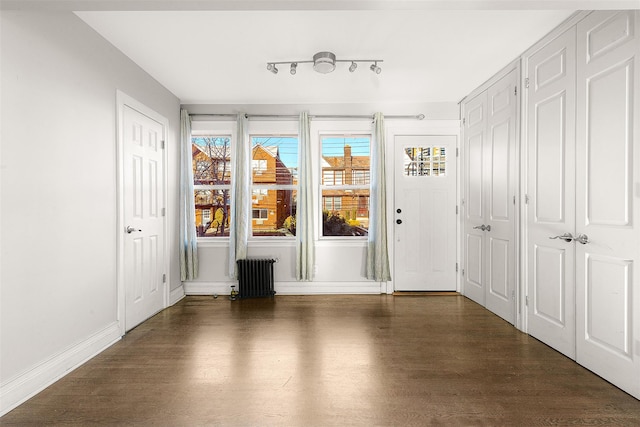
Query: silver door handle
[130,229]
[567,237]
[480,227]
[582,238]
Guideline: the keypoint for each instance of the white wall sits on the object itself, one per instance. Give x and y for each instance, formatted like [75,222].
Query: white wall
[58,194]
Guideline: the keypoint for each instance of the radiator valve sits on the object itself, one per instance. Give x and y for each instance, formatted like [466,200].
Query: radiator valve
[234,294]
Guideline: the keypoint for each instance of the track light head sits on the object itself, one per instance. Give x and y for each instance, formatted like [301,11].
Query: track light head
[353,66]
[294,66]
[374,67]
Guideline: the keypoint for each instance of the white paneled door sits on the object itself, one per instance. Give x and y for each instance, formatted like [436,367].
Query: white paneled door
[143,230]
[425,213]
[490,184]
[550,193]
[608,233]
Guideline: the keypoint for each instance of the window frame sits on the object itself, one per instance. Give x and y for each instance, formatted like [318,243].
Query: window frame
[216,128]
[275,129]
[361,132]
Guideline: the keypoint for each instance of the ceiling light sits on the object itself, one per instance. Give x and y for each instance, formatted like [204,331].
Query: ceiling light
[325,62]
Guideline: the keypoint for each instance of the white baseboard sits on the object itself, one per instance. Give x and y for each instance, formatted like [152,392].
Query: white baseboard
[18,390]
[176,295]
[289,288]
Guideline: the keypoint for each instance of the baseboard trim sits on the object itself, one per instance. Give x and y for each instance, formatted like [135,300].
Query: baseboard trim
[289,288]
[23,387]
[176,295]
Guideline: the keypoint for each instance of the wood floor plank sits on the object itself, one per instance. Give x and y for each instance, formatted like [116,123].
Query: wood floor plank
[328,360]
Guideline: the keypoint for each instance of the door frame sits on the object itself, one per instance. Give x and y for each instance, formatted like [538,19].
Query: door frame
[416,128]
[123,100]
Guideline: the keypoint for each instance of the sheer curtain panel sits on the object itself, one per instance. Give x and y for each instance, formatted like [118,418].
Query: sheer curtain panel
[305,250]
[377,251]
[188,239]
[240,196]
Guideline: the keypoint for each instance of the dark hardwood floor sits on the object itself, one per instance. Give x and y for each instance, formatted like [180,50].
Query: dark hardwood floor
[328,361]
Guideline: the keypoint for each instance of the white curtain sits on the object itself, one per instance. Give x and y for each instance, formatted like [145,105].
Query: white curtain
[305,250]
[377,253]
[240,196]
[188,238]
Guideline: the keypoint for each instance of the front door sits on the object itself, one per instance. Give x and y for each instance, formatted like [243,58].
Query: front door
[425,213]
[143,228]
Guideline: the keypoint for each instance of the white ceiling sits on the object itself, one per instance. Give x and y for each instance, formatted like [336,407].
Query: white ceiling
[220,56]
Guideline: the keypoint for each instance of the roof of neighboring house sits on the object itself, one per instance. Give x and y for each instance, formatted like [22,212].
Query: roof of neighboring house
[271,150]
[357,162]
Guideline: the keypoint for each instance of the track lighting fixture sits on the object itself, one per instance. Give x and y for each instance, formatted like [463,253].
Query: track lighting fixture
[325,62]
[272,68]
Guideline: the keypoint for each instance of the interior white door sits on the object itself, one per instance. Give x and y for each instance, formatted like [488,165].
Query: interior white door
[474,257]
[551,194]
[143,187]
[425,213]
[606,205]
[490,178]
[500,182]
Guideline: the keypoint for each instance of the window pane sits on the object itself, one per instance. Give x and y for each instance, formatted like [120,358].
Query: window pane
[273,212]
[212,212]
[274,160]
[211,160]
[425,161]
[346,212]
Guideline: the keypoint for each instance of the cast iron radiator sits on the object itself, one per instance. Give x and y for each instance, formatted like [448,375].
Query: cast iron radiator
[255,278]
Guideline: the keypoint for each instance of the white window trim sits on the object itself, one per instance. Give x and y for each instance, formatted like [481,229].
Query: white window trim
[320,129]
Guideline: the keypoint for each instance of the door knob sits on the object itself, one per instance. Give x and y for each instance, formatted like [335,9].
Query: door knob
[582,238]
[480,227]
[398,221]
[567,237]
[488,228]
[130,229]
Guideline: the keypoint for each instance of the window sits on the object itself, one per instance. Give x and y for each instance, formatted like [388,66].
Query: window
[274,180]
[345,186]
[425,161]
[259,213]
[211,156]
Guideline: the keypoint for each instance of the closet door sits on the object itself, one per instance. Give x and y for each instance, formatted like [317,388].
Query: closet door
[607,218]
[550,193]
[500,192]
[489,153]
[475,129]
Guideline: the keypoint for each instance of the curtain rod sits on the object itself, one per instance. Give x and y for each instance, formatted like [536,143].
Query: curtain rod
[311,116]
